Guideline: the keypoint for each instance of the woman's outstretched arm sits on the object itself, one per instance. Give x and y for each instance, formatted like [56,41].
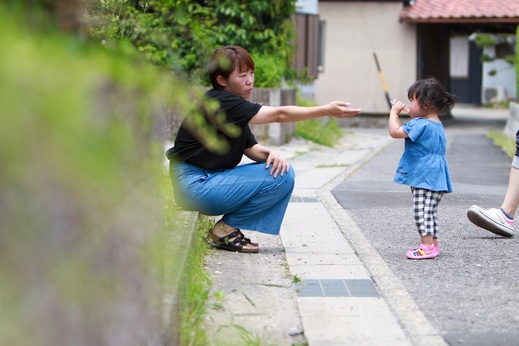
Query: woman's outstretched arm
[285,114]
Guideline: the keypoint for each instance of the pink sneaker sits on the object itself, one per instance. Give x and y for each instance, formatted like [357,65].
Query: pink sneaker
[435,244]
[424,252]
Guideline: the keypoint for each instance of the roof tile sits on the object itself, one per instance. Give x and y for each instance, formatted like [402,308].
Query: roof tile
[439,10]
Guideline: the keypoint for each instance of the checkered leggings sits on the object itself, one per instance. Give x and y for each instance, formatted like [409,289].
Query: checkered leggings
[426,210]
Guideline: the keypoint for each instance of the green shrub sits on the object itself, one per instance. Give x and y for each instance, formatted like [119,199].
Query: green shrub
[324,131]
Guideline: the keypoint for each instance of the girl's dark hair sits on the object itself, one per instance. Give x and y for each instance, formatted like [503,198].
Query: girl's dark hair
[431,96]
[225,60]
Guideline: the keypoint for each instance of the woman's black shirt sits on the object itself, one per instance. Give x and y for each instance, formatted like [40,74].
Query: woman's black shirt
[192,145]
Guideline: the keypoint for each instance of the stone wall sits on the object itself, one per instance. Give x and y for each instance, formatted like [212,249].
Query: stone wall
[277,133]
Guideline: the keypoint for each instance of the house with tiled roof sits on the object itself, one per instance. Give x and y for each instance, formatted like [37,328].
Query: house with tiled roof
[413,40]
[502,15]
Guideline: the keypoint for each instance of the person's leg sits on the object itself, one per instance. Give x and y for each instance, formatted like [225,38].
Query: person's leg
[263,209]
[425,203]
[501,221]
[418,209]
[509,205]
[264,212]
[227,237]
[247,196]
[430,216]
[511,200]
[428,219]
[433,199]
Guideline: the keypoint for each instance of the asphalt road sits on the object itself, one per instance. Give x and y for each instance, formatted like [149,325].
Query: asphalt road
[470,294]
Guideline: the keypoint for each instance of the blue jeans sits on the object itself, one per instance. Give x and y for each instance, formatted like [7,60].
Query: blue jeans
[247,196]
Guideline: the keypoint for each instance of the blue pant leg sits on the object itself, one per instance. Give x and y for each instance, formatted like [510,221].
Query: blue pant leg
[247,195]
[264,212]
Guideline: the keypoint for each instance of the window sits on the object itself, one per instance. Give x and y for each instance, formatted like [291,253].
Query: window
[459,57]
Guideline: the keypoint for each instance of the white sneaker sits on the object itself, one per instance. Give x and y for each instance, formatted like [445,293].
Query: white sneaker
[492,220]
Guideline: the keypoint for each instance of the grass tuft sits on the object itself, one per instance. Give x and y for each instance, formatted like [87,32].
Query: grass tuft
[197,285]
[324,133]
[503,141]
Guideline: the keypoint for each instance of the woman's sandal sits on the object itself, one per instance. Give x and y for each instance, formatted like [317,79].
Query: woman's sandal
[234,241]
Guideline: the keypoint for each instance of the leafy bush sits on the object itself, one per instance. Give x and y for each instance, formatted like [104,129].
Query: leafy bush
[269,71]
[179,35]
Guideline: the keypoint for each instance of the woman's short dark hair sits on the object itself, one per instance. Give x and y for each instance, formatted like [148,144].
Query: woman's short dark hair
[225,60]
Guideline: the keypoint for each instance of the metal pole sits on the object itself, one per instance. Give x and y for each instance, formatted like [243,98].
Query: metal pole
[381,76]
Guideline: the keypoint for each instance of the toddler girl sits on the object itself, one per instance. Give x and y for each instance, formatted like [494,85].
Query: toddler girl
[423,165]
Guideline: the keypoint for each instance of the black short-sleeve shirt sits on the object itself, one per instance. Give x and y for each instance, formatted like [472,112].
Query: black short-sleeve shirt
[238,112]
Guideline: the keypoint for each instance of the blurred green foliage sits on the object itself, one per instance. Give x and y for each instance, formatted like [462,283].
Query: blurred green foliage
[180,35]
[82,187]
[503,141]
[196,285]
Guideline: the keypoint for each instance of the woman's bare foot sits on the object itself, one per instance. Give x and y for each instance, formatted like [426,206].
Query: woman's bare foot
[221,229]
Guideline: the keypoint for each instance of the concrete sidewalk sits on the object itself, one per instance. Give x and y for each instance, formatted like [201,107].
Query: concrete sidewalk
[338,302]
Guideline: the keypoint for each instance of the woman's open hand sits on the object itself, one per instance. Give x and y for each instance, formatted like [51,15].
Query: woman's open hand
[340,109]
[277,164]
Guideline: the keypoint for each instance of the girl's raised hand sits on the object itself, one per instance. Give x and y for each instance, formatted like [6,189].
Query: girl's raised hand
[398,106]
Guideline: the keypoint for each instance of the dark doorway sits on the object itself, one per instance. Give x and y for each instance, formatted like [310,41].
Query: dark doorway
[468,90]
[433,61]
[433,52]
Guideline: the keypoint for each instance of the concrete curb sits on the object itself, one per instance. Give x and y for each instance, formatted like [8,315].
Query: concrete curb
[179,241]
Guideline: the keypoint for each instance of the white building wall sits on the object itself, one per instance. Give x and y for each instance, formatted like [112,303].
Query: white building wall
[354,31]
[504,79]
